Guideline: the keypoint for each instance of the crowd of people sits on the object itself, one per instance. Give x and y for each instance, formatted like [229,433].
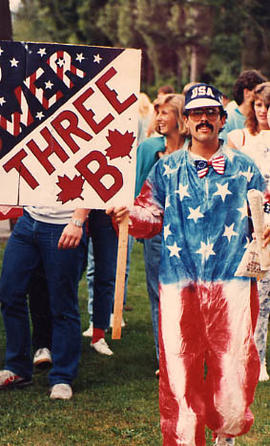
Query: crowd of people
[197,158]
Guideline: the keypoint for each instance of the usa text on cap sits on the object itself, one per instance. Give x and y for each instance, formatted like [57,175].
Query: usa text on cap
[203,95]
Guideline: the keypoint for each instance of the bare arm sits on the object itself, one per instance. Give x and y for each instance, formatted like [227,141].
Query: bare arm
[72,234]
[231,144]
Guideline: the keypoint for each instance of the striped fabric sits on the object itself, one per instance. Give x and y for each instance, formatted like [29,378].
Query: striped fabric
[207,315]
[217,163]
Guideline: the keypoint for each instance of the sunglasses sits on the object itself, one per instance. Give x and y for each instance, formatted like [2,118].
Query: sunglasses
[210,113]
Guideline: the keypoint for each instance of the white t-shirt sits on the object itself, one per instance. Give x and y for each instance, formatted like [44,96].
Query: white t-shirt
[258,148]
[50,214]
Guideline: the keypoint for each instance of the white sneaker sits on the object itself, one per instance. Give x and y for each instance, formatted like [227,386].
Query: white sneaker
[123,324]
[6,375]
[263,372]
[9,379]
[61,392]
[42,357]
[102,347]
[224,441]
[89,332]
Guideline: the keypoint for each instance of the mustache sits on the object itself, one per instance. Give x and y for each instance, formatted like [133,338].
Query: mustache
[206,124]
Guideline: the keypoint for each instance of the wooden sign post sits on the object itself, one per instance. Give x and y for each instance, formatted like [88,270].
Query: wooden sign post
[120,278]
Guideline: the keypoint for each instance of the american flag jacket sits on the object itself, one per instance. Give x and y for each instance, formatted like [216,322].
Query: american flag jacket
[204,221]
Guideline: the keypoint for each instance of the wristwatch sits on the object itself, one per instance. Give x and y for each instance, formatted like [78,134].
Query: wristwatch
[77,222]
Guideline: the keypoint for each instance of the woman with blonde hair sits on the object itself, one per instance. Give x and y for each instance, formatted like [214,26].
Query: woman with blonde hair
[254,140]
[169,123]
[168,109]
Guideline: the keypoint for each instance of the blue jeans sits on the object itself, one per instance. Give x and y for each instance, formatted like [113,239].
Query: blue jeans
[40,312]
[152,248]
[105,243]
[101,268]
[31,243]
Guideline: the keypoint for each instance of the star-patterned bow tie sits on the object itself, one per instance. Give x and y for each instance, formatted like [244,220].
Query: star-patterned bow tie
[217,163]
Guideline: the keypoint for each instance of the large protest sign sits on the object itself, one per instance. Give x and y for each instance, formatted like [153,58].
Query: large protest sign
[68,124]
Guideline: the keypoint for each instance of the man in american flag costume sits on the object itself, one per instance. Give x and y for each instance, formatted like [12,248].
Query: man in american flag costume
[197,197]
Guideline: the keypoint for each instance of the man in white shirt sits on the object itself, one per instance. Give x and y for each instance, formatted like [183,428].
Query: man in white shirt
[56,238]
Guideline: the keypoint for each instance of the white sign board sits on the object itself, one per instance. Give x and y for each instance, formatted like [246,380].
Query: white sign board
[68,124]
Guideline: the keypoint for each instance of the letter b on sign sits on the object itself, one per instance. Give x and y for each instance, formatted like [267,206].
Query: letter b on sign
[95,178]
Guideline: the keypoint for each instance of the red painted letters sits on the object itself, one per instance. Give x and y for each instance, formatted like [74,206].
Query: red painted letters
[89,114]
[94,178]
[65,132]
[43,155]
[16,163]
[111,95]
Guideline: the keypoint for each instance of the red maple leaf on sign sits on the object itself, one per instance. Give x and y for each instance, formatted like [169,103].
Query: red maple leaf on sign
[70,189]
[121,145]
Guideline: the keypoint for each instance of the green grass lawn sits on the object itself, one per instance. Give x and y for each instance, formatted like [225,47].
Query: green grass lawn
[115,398]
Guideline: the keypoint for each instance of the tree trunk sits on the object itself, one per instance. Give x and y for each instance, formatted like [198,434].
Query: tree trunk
[194,64]
[5,21]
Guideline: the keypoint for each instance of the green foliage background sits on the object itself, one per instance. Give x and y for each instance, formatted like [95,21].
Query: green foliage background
[223,37]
